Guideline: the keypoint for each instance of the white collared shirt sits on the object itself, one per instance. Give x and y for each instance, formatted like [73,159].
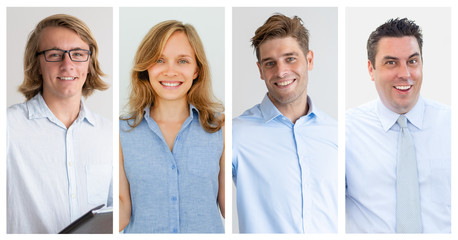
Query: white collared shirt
[371,148]
[55,174]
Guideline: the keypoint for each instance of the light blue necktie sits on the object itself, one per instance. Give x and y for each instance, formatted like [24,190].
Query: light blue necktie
[408,210]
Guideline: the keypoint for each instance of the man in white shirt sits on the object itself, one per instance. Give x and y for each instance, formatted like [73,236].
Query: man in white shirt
[378,198]
[59,154]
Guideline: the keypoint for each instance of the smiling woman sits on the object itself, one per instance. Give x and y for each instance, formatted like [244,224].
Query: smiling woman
[172,143]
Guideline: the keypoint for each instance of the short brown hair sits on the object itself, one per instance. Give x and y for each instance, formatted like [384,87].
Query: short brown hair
[393,28]
[200,95]
[33,81]
[281,26]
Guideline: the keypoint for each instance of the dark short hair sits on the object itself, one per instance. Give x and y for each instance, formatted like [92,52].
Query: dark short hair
[280,26]
[393,28]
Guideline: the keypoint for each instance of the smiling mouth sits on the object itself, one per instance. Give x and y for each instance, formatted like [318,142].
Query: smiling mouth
[171,84]
[403,88]
[67,78]
[285,83]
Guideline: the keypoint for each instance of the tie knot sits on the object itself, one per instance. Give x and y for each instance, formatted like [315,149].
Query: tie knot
[402,121]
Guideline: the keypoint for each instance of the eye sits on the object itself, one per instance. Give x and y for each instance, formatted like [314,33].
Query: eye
[413,61]
[160,60]
[390,62]
[183,61]
[290,59]
[269,64]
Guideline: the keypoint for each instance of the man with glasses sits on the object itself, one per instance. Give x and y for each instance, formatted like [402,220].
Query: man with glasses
[59,154]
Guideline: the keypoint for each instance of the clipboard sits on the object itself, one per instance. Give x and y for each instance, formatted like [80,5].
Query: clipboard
[95,221]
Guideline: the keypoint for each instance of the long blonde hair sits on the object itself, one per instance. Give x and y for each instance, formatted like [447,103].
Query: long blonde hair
[200,95]
[33,81]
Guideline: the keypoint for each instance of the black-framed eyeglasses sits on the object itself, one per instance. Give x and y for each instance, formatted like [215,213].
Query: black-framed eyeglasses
[57,55]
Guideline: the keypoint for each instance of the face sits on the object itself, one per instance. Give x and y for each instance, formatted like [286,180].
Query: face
[284,68]
[398,72]
[65,79]
[173,73]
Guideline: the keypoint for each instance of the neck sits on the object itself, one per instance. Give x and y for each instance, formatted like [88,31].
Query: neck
[293,110]
[170,111]
[66,110]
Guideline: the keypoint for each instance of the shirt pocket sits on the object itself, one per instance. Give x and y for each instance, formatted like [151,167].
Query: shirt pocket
[204,161]
[98,183]
[441,181]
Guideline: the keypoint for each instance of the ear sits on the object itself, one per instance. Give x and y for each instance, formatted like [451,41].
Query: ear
[196,74]
[371,69]
[310,60]
[260,70]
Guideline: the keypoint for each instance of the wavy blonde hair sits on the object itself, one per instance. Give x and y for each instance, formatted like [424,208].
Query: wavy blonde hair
[200,95]
[33,81]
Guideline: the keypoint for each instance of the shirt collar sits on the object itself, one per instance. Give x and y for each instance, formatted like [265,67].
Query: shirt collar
[38,108]
[269,111]
[388,118]
[192,109]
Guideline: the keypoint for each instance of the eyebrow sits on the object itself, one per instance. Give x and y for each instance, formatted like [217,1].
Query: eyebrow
[416,54]
[283,55]
[76,48]
[181,55]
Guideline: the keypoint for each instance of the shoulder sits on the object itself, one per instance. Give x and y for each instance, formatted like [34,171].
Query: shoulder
[362,110]
[436,107]
[438,114]
[324,118]
[361,117]
[100,120]
[126,123]
[362,113]
[17,112]
[250,116]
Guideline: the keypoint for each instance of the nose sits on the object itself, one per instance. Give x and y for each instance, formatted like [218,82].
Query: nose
[170,70]
[282,69]
[404,71]
[66,63]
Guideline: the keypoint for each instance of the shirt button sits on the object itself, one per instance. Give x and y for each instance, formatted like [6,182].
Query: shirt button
[174,198]
[73,195]
[70,164]
[173,166]
[175,230]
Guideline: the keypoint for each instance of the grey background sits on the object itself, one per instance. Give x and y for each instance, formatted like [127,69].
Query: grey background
[134,24]
[248,88]
[21,21]
[436,28]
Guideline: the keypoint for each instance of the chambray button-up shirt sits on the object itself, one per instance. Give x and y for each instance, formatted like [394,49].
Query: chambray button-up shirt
[172,191]
[285,173]
[55,174]
[371,148]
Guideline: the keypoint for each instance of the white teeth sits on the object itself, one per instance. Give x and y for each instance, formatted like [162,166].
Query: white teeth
[67,78]
[403,87]
[285,83]
[170,84]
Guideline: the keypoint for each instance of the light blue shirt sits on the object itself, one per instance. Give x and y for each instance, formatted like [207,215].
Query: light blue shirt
[285,173]
[172,191]
[371,148]
[55,174]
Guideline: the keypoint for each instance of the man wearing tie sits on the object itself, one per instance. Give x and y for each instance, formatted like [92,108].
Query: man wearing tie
[398,147]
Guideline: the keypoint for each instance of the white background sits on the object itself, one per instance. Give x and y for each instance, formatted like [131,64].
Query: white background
[228,4]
